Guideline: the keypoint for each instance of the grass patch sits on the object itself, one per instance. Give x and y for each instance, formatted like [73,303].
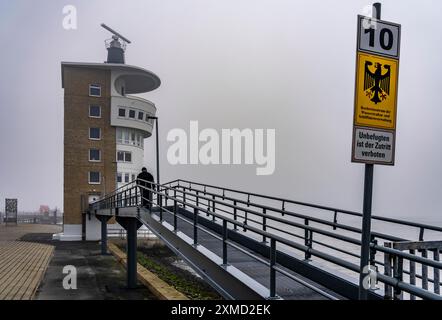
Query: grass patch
[160,260]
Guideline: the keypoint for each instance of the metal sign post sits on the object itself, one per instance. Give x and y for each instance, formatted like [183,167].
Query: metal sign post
[374,127]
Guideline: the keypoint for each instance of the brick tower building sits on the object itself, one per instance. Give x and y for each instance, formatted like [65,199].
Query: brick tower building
[104,129]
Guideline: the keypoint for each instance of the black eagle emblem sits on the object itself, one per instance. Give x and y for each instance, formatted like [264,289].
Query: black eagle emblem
[376,84]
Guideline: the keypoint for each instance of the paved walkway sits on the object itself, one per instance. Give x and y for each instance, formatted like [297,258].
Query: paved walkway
[98,277]
[15,232]
[31,267]
[22,265]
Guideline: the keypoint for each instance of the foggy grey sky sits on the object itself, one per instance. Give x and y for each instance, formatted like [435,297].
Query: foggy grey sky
[287,65]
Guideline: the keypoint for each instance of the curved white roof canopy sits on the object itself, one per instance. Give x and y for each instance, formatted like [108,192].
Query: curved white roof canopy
[137,80]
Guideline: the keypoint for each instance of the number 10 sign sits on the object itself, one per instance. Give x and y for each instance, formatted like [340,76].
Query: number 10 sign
[379,37]
[376,87]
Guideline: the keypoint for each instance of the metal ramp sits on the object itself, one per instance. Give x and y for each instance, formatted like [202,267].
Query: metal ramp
[244,276]
[248,247]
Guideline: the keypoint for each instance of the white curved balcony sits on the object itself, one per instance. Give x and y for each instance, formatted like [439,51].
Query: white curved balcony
[136,113]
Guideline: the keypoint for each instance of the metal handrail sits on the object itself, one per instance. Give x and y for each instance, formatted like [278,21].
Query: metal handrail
[355,255]
[109,202]
[299,215]
[327,208]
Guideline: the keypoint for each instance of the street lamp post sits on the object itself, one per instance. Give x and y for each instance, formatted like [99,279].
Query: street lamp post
[158,155]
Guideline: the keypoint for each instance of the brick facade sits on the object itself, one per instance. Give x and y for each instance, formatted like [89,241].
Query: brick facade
[76,139]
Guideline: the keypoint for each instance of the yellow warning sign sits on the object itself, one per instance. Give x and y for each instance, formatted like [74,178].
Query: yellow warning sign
[376,91]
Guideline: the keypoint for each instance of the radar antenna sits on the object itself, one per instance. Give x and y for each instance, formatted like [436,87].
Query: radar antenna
[115,46]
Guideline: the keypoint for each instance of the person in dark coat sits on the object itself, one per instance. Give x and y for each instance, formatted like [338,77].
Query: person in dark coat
[143,180]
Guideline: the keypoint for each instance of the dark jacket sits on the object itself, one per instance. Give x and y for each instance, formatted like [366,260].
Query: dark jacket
[146,176]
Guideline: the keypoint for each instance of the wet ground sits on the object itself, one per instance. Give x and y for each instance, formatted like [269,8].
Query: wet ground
[98,277]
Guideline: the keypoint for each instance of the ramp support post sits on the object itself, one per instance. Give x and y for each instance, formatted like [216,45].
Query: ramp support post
[131,224]
[103,219]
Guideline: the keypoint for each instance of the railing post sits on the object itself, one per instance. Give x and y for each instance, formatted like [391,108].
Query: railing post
[235,227]
[197,199]
[213,208]
[245,221]
[161,207]
[436,274]
[373,252]
[224,242]
[388,290]
[184,198]
[308,235]
[398,275]
[272,268]
[195,226]
[175,208]
[424,271]
[412,273]
[264,226]
[208,206]
[335,220]
[421,234]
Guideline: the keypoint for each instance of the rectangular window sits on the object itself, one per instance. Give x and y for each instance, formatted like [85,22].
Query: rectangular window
[126,177]
[94,177]
[94,111]
[122,112]
[132,138]
[126,136]
[133,177]
[140,115]
[94,155]
[119,135]
[95,90]
[124,156]
[132,114]
[94,133]
[119,177]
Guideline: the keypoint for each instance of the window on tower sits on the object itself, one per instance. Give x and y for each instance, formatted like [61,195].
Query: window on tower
[95,90]
[94,155]
[132,114]
[94,133]
[94,177]
[140,115]
[94,111]
[124,156]
[122,112]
